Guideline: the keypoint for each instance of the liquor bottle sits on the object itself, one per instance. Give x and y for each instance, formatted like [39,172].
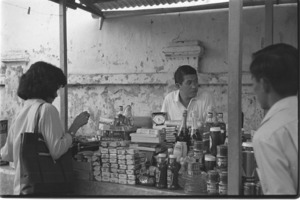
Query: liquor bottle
[172,173]
[222,125]
[183,132]
[209,122]
[195,132]
[161,171]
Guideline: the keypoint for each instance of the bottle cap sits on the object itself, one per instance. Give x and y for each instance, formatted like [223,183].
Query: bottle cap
[209,157]
[215,129]
[162,155]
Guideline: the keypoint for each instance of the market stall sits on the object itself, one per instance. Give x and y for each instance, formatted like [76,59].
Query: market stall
[96,168]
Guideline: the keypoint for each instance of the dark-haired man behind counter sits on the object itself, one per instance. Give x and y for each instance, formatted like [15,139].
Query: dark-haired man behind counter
[187,96]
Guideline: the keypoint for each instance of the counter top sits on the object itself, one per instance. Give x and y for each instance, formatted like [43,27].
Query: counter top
[88,188]
[94,188]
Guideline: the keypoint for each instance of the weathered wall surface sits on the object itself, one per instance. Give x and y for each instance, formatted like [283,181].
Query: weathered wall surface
[124,62]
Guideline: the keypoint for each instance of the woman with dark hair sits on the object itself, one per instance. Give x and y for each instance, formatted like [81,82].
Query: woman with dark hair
[37,86]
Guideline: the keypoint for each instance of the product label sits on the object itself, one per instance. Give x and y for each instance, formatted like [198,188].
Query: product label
[170,176]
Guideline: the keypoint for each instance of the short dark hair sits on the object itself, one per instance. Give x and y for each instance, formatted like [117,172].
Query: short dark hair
[41,81]
[279,64]
[181,71]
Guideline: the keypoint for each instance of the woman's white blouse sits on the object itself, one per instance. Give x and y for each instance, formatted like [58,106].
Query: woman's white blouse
[49,125]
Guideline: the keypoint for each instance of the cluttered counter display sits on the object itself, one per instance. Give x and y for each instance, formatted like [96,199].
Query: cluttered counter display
[165,160]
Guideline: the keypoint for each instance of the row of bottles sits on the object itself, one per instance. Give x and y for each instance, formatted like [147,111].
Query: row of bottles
[212,133]
[167,172]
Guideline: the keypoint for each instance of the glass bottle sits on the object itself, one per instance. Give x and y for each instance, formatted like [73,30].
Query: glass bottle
[209,122]
[172,173]
[195,132]
[183,132]
[128,115]
[222,125]
[161,173]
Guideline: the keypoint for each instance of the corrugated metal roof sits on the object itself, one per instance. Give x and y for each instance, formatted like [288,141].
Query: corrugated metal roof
[113,8]
[117,4]
[103,5]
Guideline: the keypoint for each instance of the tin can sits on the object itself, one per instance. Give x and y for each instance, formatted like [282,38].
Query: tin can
[259,189]
[223,177]
[212,176]
[212,188]
[222,189]
[249,188]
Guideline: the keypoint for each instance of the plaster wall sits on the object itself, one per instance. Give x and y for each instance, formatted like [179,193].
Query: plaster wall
[124,62]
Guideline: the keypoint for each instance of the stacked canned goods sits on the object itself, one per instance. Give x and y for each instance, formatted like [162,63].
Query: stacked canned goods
[223,183]
[212,182]
[251,185]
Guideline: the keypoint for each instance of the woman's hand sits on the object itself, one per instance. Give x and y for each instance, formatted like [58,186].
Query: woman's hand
[79,121]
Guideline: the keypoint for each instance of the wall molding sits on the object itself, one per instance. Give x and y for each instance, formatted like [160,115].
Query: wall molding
[15,56]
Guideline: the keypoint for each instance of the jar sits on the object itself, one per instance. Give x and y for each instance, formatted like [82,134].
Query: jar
[248,162]
[215,134]
[210,162]
[161,173]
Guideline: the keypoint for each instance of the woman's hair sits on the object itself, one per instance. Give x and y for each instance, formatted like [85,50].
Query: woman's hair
[41,81]
[279,64]
[181,71]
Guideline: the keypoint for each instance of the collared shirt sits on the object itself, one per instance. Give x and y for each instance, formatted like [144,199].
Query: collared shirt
[49,125]
[276,148]
[202,104]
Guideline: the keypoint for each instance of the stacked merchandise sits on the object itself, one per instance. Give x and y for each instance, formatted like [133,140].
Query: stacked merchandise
[145,135]
[120,164]
[217,181]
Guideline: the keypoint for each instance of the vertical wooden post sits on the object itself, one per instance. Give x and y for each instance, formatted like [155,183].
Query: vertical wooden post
[234,96]
[63,61]
[268,23]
